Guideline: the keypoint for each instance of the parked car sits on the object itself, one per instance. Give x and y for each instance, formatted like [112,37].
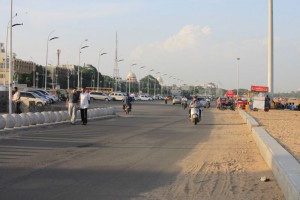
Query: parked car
[26,97]
[43,96]
[117,96]
[54,98]
[145,98]
[100,96]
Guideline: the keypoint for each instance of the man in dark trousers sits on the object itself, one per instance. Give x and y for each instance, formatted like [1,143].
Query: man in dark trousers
[84,105]
[72,105]
[17,100]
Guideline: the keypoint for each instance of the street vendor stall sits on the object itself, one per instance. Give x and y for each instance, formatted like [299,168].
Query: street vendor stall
[258,95]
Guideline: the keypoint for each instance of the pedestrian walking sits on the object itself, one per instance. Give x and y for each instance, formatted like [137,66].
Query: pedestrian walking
[72,104]
[84,105]
[17,100]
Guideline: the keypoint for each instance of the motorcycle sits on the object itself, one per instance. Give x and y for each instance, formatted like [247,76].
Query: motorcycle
[184,105]
[195,115]
[127,109]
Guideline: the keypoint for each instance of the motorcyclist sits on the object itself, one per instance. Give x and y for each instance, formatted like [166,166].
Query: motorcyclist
[127,101]
[195,104]
[184,102]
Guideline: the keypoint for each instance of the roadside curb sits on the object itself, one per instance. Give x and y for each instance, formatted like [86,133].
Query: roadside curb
[284,166]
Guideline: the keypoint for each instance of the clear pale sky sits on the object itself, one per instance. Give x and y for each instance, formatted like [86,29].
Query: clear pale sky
[196,41]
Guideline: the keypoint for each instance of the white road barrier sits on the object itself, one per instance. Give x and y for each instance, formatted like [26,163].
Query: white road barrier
[31,119]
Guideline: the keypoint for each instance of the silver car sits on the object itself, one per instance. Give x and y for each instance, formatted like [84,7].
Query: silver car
[100,96]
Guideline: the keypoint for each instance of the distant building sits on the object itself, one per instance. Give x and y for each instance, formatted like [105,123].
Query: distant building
[19,66]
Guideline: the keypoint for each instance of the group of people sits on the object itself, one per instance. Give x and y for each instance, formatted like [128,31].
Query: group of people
[81,101]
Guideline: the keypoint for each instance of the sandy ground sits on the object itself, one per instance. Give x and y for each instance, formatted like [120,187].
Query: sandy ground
[284,126]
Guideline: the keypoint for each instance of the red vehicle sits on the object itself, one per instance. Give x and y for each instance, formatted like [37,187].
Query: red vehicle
[224,103]
[221,102]
[241,103]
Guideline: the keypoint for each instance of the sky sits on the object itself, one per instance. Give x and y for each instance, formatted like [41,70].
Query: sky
[191,41]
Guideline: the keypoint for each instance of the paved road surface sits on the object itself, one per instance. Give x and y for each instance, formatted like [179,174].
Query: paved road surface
[153,153]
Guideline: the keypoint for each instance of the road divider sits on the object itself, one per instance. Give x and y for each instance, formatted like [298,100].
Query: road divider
[30,119]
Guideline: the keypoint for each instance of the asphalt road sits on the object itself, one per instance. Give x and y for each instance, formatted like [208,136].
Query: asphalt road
[155,152]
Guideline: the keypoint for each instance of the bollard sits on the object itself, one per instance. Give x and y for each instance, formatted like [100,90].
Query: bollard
[18,119]
[10,121]
[2,122]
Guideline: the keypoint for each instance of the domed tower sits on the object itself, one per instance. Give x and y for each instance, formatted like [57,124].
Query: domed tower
[131,77]
[160,80]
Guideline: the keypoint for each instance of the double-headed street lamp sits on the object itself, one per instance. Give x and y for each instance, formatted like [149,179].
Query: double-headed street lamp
[148,80]
[8,26]
[80,47]
[155,79]
[100,54]
[130,78]
[117,81]
[142,67]
[161,87]
[46,66]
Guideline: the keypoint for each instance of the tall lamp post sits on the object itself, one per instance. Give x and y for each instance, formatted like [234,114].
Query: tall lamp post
[140,79]
[8,26]
[155,79]
[117,81]
[46,66]
[238,76]
[134,64]
[100,54]
[148,80]
[161,87]
[37,80]
[270,51]
[80,47]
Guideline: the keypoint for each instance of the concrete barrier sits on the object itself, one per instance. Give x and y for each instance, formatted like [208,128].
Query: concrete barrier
[2,122]
[40,117]
[46,116]
[10,121]
[33,118]
[284,166]
[251,122]
[52,117]
[25,119]
[58,116]
[18,120]
[64,116]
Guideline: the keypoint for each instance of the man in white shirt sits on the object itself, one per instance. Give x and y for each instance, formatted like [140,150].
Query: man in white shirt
[84,104]
[16,98]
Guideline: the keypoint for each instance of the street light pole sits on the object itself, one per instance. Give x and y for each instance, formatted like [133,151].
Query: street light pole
[130,77]
[155,79]
[270,51]
[238,77]
[49,39]
[8,25]
[100,54]
[117,81]
[10,61]
[148,81]
[140,79]
[80,47]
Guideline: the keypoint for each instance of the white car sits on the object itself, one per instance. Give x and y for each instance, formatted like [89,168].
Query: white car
[145,98]
[117,96]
